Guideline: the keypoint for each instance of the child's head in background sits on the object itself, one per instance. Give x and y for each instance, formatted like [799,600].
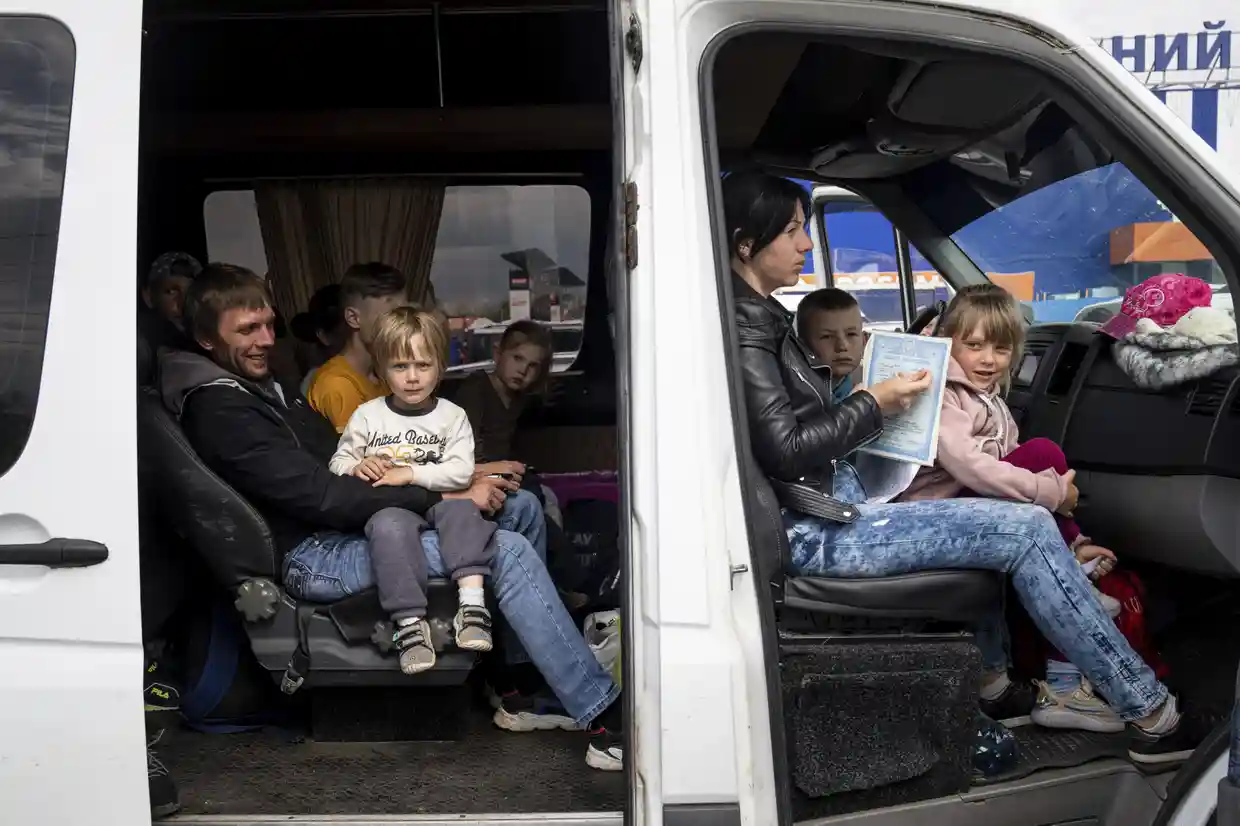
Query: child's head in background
[523,357]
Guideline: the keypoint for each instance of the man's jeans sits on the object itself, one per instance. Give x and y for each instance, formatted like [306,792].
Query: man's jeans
[330,566]
[1020,540]
[317,571]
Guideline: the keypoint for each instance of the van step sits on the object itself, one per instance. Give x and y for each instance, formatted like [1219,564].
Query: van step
[1042,748]
[389,714]
[488,770]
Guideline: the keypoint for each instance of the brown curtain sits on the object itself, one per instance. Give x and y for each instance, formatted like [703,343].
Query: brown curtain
[294,268]
[314,230]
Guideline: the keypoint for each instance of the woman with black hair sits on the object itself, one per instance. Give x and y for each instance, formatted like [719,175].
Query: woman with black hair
[798,433]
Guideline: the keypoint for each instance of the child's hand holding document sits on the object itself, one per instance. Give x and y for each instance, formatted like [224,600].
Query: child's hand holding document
[907,376]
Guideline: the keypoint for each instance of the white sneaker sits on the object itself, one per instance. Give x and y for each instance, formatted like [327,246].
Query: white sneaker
[1079,709]
[1109,604]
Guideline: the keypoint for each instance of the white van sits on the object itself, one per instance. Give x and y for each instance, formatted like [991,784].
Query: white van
[752,696]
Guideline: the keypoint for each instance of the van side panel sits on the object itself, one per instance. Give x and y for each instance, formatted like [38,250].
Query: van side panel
[70,638]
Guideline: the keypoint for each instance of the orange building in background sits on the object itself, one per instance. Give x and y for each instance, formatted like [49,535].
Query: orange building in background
[1155,242]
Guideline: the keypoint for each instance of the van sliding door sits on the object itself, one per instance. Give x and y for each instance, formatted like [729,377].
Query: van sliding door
[70,640]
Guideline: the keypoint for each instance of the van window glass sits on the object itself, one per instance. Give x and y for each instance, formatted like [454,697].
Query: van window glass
[510,251]
[497,247]
[230,218]
[36,84]
[1071,233]
[862,246]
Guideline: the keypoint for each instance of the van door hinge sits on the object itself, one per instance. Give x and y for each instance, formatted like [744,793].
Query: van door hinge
[633,41]
[630,225]
[737,570]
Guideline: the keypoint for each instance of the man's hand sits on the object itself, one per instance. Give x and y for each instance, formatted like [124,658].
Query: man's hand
[372,468]
[394,477]
[487,493]
[516,469]
[897,394]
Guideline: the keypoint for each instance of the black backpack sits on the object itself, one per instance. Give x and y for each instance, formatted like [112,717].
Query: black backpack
[226,690]
[592,535]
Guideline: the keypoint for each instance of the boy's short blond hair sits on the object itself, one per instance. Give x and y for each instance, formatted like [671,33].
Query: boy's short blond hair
[394,335]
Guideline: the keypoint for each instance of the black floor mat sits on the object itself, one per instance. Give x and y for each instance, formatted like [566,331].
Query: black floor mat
[1042,748]
[1203,666]
[489,770]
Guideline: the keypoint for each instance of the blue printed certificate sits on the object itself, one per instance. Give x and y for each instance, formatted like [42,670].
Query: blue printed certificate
[912,436]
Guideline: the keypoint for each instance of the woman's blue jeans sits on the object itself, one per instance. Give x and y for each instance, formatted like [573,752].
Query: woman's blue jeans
[1020,540]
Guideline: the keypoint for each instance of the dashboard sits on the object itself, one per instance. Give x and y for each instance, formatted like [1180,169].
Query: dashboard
[1159,471]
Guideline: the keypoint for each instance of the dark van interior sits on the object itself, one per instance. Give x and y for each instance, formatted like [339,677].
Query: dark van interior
[501,93]
[471,94]
[874,680]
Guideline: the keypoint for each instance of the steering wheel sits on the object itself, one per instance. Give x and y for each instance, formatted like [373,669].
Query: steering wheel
[924,317]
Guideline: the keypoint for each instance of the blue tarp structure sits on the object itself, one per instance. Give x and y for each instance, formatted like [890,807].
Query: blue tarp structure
[1061,233]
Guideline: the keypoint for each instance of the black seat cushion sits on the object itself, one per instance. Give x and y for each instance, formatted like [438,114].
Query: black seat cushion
[344,641]
[227,533]
[355,616]
[947,595]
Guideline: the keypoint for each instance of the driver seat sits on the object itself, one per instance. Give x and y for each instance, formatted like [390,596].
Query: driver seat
[873,706]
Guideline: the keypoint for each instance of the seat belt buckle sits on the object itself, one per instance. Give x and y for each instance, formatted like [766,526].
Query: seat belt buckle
[290,682]
[299,665]
[294,673]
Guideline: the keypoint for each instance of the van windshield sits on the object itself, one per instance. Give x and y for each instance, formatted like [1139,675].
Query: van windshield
[1075,228]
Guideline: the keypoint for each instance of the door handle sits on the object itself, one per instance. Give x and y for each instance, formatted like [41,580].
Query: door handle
[55,553]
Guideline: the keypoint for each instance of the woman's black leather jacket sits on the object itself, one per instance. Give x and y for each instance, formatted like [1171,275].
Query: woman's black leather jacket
[796,430]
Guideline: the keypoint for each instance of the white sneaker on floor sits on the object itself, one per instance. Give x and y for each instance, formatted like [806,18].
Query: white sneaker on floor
[1078,709]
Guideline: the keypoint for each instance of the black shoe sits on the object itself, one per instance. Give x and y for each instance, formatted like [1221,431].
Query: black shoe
[159,692]
[1013,707]
[165,799]
[1159,751]
[606,750]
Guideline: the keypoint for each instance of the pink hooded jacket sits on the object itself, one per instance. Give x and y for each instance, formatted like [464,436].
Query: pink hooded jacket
[975,432]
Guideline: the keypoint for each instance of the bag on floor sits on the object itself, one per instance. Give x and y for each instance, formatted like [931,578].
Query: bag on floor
[602,632]
[592,529]
[1126,587]
[1030,649]
[995,749]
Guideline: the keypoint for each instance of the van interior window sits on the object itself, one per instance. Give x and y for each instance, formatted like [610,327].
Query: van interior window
[487,236]
[233,233]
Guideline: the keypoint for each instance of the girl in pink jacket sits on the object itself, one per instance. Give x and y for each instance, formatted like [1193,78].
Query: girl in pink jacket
[979,454]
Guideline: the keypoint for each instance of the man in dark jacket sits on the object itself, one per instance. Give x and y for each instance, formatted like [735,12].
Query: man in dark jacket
[275,454]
